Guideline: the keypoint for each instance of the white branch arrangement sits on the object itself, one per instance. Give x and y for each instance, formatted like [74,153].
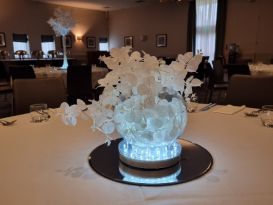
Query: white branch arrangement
[62,22]
[133,88]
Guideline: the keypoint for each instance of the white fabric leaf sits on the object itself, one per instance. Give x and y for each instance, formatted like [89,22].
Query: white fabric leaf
[108,128]
[185,58]
[135,56]
[142,89]
[196,82]
[140,96]
[193,64]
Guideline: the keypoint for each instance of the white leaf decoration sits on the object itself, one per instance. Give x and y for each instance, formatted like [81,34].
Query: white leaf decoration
[135,56]
[196,82]
[192,65]
[62,23]
[142,89]
[139,93]
[185,58]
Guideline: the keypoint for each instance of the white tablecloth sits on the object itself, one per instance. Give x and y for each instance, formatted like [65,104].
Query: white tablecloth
[261,69]
[46,163]
[48,72]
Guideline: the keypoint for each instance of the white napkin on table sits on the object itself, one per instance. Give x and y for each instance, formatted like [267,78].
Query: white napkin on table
[229,109]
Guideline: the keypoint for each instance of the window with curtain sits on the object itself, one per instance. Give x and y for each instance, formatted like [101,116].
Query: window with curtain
[21,43]
[48,44]
[205,38]
[103,44]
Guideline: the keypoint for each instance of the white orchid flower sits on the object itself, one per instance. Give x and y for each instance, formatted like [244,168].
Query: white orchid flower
[135,57]
[192,65]
[185,58]
[69,114]
[82,108]
[142,96]
[196,82]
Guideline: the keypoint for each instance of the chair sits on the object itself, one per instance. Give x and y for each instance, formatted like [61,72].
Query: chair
[5,102]
[21,72]
[217,80]
[31,91]
[203,68]
[93,58]
[222,59]
[79,83]
[5,87]
[241,69]
[252,91]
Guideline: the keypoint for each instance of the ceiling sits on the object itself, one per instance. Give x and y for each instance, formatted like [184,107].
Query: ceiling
[107,5]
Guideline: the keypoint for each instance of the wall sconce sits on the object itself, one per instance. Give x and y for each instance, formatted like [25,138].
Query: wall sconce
[79,38]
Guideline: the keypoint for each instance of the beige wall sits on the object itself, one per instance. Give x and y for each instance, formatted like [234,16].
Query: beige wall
[250,25]
[26,16]
[170,19]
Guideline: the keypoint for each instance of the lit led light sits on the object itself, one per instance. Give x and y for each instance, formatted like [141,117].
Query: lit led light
[150,157]
[149,153]
[164,179]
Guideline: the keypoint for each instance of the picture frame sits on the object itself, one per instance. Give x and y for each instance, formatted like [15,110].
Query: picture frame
[91,42]
[68,41]
[128,41]
[2,39]
[161,40]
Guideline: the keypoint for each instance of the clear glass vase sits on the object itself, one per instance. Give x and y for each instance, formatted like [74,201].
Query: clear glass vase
[150,131]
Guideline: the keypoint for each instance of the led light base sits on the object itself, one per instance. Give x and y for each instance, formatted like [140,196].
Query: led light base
[149,157]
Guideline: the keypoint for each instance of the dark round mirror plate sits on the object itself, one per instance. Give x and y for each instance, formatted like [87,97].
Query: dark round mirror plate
[195,161]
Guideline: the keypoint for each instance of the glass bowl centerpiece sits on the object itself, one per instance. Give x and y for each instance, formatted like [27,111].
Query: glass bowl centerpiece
[143,100]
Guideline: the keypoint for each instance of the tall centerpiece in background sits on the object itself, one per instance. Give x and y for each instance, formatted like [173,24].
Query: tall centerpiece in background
[143,100]
[62,23]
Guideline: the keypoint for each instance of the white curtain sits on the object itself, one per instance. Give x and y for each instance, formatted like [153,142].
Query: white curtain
[206,15]
[21,46]
[48,46]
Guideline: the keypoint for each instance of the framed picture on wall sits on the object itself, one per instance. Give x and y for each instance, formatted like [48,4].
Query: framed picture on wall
[128,41]
[161,40]
[91,42]
[2,39]
[68,41]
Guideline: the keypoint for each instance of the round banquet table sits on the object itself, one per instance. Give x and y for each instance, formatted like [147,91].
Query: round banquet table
[261,69]
[49,72]
[47,163]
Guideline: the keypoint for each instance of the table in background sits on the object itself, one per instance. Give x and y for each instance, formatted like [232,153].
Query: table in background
[46,163]
[47,72]
[261,69]
[37,62]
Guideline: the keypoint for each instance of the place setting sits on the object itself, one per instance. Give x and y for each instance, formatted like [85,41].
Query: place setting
[39,113]
[7,123]
[266,115]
